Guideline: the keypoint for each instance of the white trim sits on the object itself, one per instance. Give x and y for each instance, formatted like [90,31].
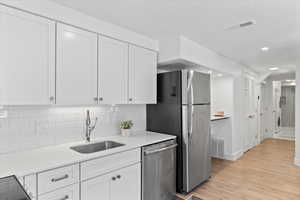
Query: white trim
[297,161]
[235,156]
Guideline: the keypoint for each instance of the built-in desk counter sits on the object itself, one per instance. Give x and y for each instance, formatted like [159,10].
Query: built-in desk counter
[215,118]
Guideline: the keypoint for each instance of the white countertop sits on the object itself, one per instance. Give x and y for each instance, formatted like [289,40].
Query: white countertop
[28,162]
[215,118]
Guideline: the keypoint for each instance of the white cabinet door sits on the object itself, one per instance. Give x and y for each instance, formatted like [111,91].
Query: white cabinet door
[127,184]
[76,73]
[113,71]
[67,193]
[142,75]
[27,64]
[96,188]
[121,184]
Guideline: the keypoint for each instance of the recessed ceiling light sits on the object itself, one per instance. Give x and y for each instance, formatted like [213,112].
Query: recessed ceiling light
[209,72]
[273,68]
[289,80]
[265,48]
[219,75]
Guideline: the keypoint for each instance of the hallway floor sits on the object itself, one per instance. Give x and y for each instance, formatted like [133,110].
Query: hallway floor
[266,172]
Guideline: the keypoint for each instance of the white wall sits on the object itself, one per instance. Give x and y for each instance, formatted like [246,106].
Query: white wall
[177,48]
[33,127]
[227,96]
[222,94]
[222,99]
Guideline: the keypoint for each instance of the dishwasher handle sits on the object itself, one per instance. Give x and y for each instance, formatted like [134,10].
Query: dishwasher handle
[160,150]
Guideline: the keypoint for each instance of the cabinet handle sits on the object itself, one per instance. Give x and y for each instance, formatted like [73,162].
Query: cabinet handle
[113,178]
[101,99]
[60,178]
[95,99]
[51,98]
[119,176]
[64,198]
[130,99]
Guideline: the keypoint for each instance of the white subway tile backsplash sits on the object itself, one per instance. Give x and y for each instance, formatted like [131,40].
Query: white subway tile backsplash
[34,127]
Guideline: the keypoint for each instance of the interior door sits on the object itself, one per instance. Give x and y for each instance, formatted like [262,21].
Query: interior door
[250,139]
[27,64]
[76,73]
[142,75]
[113,71]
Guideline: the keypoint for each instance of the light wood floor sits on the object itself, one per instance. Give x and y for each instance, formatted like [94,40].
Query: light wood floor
[266,172]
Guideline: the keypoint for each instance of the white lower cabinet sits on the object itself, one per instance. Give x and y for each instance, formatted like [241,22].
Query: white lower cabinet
[121,184]
[127,185]
[67,193]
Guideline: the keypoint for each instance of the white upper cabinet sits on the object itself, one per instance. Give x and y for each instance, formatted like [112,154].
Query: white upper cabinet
[76,73]
[27,63]
[142,75]
[113,71]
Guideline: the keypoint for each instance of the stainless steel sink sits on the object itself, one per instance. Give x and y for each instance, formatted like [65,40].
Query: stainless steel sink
[95,147]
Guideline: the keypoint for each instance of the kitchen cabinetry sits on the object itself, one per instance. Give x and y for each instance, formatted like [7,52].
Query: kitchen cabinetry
[127,73]
[126,183]
[113,71]
[67,193]
[142,75]
[113,177]
[27,64]
[69,66]
[76,73]
[120,184]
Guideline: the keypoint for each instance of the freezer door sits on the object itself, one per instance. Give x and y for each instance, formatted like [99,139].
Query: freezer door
[196,146]
[195,87]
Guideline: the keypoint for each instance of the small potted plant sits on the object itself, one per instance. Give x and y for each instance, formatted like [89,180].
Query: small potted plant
[125,127]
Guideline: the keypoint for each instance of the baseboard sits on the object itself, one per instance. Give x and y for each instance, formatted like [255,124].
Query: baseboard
[235,156]
[297,161]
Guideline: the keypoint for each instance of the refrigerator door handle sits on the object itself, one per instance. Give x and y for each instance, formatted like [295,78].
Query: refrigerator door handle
[191,115]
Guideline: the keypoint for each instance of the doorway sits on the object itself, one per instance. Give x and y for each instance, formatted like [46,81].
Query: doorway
[284,109]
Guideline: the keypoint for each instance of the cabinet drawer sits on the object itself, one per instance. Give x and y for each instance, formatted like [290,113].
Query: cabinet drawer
[67,193]
[57,178]
[96,167]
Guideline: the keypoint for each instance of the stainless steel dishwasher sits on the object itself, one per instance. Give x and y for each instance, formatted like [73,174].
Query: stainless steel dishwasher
[159,171]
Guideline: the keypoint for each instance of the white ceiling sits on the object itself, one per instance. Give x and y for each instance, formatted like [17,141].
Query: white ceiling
[204,21]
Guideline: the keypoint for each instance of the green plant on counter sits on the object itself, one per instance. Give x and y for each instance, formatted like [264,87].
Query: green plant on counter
[126,124]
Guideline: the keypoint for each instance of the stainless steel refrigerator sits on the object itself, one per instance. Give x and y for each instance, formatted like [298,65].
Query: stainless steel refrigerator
[183,109]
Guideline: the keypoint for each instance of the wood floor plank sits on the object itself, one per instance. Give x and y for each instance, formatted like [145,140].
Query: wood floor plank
[266,172]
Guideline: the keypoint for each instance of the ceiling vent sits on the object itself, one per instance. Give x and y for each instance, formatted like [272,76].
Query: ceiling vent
[241,25]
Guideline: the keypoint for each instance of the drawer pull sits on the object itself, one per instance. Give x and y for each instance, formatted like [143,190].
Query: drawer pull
[64,198]
[60,178]
[119,176]
[113,178]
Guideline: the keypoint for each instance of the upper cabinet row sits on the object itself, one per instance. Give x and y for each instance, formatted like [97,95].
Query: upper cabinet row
[46,63]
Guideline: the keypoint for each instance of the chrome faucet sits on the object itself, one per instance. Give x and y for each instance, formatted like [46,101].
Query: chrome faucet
[88,127]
